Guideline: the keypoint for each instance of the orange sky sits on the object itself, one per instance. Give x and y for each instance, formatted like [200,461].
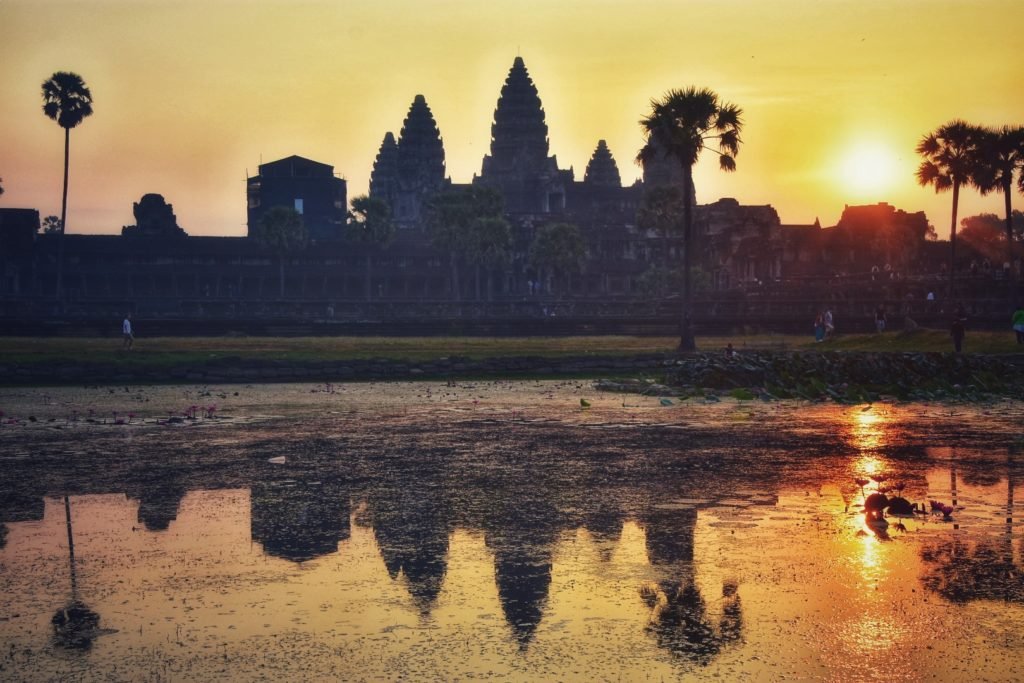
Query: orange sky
[190,95]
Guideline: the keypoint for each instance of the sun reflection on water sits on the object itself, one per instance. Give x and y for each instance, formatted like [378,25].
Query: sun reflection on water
[868,429]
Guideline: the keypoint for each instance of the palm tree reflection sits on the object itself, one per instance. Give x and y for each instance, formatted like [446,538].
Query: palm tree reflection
[75,626]
[680,617]
[964,571]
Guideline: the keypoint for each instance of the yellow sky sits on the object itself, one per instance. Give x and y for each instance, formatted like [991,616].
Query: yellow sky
[189,96]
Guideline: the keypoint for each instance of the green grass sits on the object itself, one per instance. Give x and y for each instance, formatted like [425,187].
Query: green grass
[167,351]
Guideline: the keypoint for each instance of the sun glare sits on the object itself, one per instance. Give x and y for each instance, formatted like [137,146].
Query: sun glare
[868,168]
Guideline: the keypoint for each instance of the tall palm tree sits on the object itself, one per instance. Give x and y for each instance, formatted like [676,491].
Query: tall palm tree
[1002,157]
[681,125]
[66,100]
[370,226]
[950,162]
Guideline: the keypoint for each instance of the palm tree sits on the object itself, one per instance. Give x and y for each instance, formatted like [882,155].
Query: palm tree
[950,161]
[1002,156]
[281,230]
[66,100]
[370,225]
[51,225]
[681,125]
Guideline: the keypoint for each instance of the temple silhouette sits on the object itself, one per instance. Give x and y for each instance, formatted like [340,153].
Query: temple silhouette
[155,269]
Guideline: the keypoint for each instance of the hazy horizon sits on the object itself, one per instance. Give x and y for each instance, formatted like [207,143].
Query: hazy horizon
[190,96]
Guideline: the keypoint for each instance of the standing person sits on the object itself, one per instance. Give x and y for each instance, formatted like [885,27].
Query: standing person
[880,319]
[957,332]
[1018,323]
[819,327]
[830,326]
[126,332]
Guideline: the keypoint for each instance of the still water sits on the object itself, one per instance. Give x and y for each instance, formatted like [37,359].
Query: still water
[500,530]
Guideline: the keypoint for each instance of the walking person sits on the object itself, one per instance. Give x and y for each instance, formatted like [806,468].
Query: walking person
[880,319]
[957,331]
[126,332]
[1018,323]
[830,326]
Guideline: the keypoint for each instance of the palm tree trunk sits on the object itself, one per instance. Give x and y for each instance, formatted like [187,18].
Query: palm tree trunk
[1011,277]
[952,240]
[63,218]
[686,340]
[369,277]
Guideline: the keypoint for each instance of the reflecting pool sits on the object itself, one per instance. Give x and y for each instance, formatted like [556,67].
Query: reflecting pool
[502,530]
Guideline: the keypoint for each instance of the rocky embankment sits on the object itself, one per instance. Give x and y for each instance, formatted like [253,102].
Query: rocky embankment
[837,375]
[851,376]
[252,370]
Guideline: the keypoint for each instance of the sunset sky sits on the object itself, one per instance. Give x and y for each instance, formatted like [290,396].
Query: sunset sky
[189,96]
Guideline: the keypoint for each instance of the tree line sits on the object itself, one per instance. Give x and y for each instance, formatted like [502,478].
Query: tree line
[959,154]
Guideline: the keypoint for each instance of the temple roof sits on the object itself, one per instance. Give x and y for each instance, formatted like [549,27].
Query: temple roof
[420,149]
[602,169]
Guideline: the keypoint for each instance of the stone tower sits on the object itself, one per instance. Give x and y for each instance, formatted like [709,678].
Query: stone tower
[602,171]
[384,177]
[405,174]
[519,165]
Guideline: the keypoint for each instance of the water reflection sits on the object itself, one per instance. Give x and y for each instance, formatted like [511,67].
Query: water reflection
[680,617]
[964,569]
[521,534]
[453,550]
[411,522]
[299,519]
[75,625]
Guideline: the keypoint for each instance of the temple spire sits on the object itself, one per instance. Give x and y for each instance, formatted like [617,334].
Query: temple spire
[384,177]
[519,134]
[602,169]
[420,149]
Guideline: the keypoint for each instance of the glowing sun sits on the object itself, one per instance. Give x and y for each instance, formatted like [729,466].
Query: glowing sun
[867,169]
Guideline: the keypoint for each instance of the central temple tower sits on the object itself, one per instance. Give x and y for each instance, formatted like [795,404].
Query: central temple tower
[519,165]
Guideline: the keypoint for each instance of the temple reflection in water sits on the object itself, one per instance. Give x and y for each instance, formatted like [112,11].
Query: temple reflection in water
[681,544]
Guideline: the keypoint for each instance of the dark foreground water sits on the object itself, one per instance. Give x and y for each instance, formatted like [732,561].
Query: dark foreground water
[499,530]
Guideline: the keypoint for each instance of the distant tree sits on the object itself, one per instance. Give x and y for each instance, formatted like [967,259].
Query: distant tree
[489,247]
[657,280]
[662,212]
[1,186]
[983,234]
[371,227]
[1001,160]
[451,217]
[681,125]
[66,100]
[950,162]
[51,225]
[558,248]
[282,231]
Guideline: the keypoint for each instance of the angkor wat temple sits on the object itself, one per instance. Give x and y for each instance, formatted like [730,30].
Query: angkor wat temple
[157,270]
